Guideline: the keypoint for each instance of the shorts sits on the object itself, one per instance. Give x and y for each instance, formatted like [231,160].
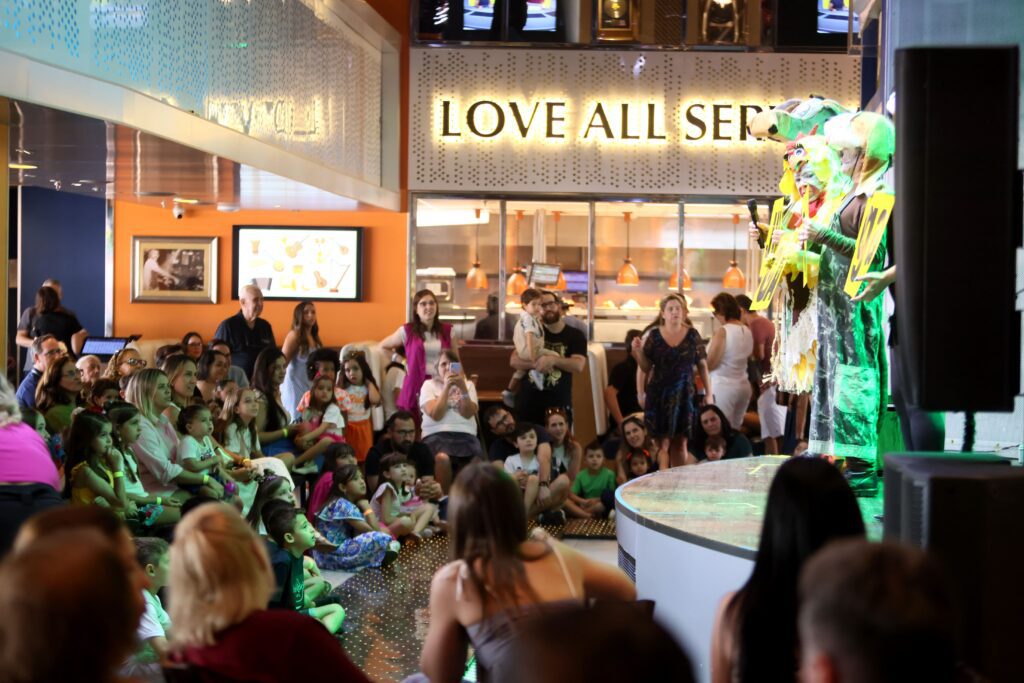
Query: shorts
[772,415]
[455,445]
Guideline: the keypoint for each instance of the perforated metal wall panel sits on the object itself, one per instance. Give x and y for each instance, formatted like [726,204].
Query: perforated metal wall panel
[286,72]
[446,155]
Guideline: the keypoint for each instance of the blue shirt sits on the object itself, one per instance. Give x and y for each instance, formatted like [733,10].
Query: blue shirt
[26,393]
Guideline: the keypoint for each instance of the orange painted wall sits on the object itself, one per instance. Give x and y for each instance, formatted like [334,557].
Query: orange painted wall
[382,310]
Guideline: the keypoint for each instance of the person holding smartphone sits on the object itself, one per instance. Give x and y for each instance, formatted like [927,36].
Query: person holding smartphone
[449,405]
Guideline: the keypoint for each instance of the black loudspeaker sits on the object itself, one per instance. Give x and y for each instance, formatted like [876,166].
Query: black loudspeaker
[957,226]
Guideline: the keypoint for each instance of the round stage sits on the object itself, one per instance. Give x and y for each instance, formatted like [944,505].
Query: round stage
[689,535]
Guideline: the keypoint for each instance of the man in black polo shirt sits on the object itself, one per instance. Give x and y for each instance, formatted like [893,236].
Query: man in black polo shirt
[246,332]
[400,437]
[571,346]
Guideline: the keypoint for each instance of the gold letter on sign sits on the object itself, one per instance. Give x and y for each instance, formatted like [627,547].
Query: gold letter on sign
[869,236]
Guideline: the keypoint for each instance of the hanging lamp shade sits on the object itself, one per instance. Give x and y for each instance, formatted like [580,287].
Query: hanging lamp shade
[628,275]
[559,285]
[517,283]
[476,278]
[673,282]
[733,278]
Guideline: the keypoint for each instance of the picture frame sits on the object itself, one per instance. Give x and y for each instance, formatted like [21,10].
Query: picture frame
[174,270]
[299,262]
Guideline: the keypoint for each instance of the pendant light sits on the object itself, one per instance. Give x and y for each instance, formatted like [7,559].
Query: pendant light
[559,285]
[627,277]
[673,282]
[476,278]
[517,284]
[733,275]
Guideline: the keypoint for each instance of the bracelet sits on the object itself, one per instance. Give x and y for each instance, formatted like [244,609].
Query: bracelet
[159,500]
[246,462]
[206,478]
[545,483]
[118,474]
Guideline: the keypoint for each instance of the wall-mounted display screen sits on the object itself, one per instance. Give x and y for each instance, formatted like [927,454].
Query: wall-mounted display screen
[576,281]
[834,17]
[541,15]
[543,274]
[324,264]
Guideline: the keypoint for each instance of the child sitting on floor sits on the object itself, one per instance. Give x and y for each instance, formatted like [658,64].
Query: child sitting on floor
[198,454]
[95,469]
[638,464]
[591,496]
[715,447]
[336,455]
[293,536]
[523,466]
[387,501]
[155,511]
[347,520]
[153,632]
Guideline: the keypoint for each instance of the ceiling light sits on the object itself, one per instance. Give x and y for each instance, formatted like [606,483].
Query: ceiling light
[76,184]
[734,278]
[627,277]
[21,167]
[476,278]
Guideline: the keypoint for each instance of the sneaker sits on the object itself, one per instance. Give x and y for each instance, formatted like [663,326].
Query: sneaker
[508,398]
[611,516]
[537,377]
[552,518]
[391,554]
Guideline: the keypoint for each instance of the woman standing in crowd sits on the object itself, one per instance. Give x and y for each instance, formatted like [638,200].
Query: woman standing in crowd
[303,338]
[181,373]
[59,393]
[124,363]
[272,419]
[755,635]
[157,445]
[51,318]
[499,577]
[221,579]
[712,422]
[29,481]
[731,347]
[211,369]
[450,406]
[193,344]
[424,339]
[669,351]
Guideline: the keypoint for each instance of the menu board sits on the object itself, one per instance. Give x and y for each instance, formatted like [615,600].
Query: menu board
[324,264]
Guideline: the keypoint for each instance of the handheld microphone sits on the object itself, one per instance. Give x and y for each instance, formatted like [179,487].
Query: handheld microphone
[752,208]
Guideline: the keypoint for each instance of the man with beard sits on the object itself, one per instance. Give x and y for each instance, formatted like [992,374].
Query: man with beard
[400,437]
[571,346]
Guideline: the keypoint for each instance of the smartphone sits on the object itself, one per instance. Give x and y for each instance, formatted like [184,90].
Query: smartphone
[455,368]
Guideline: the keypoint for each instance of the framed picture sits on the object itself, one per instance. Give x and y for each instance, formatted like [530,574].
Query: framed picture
[174,269]
[299,262]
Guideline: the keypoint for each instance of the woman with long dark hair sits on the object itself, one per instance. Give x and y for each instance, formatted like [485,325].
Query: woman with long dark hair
[711,421]
[193,345]
[301,340]
[59,393]
[52,318]
[424,338]
[636,443]
[211,369]
[755,635]
[272,419]
[499,577]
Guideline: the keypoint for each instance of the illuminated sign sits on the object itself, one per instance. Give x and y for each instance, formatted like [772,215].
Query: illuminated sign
[555,119]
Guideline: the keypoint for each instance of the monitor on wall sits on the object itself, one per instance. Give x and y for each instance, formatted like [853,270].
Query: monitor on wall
[298,262]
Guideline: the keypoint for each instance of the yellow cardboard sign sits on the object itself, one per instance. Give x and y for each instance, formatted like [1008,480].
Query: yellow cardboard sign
[869,236]
[775,223]
[769,282]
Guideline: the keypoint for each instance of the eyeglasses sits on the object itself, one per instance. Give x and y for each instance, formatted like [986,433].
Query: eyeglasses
[549,304]
[72,373]
[504,421]
[136,362]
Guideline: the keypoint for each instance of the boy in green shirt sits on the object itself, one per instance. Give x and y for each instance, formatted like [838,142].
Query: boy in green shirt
[592,495]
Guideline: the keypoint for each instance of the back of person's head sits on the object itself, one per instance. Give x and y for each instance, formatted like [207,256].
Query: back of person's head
[724,304]
[744,301]
[610,642]
[492,304]
[280,520]
[488,524]
[809,505]
[163,356]
[336,452]
[55,520]
[69,609]
[321,355]
[876,613]
[219,574]
[102,386]
[269,489]
[529,294]
[149,550]
[47,300]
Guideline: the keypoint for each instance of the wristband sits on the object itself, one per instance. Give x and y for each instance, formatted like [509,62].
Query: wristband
[206,478]
[118,474]
[545,483]
[284,430]
[159,500]
[246,462]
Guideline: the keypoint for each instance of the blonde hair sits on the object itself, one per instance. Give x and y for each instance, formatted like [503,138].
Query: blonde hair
[220,574]
[140,389]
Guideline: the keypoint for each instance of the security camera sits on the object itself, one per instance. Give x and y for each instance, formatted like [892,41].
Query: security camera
[178,212]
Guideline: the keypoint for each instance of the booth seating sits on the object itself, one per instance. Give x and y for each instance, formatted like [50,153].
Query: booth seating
[598,364]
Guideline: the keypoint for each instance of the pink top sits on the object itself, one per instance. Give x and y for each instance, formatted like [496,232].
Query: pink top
[24,457]
[156,451]
[319,495]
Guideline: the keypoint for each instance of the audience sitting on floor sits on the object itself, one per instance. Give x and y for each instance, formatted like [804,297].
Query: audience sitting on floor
[393,504]
[500,576]
[711,421]
[450,405]
[347,520]
[593,492]
[755,635]
[154,557]
[400,437]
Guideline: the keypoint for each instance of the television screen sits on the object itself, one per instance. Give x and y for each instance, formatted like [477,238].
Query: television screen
[576,281]
[834,16]
[543,274]
[324,264]
[541,15]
